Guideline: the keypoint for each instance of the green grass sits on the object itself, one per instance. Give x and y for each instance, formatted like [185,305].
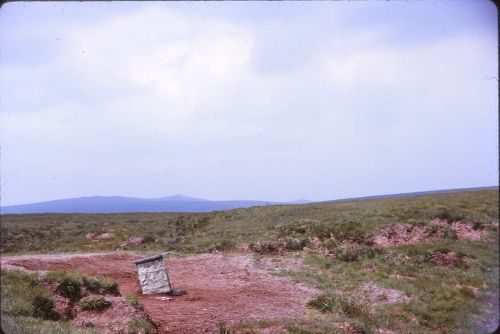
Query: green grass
[133,300]
[222,328]
[339,303]
[205,232]
[141,325]
[100,285]
[440,303]
[22,295]
[29,325]
[71,284]
[94,303]
[26,307]
[444,299]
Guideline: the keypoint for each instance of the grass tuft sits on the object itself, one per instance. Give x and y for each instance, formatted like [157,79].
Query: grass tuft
[94,303]
[133,300]
[101,285]
[141,326]
[69,285]
[222,328]
[339,303]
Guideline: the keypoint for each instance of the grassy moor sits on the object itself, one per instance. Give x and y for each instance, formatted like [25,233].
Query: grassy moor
[420,264]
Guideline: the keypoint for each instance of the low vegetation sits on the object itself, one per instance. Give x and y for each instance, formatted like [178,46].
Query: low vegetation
[30,325]
[339,303]
[285,226]
[402,265]
[27,307]
[133,300]
[100,285]
[73,285]
[223,328]
[94,303]
[141,326]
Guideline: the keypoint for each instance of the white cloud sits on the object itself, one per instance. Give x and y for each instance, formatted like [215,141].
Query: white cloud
[183,63]
[206,99]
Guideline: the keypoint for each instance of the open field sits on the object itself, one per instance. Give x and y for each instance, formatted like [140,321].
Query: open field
[423,264]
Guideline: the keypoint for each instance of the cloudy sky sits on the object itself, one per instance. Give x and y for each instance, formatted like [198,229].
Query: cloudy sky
[247,100]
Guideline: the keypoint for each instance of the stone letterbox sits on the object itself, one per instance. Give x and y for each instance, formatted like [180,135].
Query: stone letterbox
[153,275]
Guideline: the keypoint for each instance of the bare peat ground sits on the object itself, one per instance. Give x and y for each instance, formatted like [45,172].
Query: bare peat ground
[227,289]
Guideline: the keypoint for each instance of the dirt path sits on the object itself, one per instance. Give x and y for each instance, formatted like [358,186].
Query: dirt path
[219,288]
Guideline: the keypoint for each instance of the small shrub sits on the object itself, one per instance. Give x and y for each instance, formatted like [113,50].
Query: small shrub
[337,302]
[441,249]
[223,328]
[292,244]
[43,307]
[29,278]
[202,221]
[266,247]
[134,301]
[446,213]
[69,285]
[16,293]
[149,239]
[309,228]
[94,303]
[349,231]
[223,245]
[348,253]
[141,325]
[100,285]
[448,233]
[355,252]
[318,229]
[92,284]
[331,244]
[300,227]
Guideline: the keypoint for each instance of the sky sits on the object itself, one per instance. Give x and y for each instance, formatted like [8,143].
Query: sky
[246,100]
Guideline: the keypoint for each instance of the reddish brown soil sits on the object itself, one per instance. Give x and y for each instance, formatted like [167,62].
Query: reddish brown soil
[114,319]
[219,288]
[463,230]
[444,259]
[399,234]
[466,231]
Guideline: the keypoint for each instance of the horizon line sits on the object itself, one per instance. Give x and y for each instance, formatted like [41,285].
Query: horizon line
[268,201]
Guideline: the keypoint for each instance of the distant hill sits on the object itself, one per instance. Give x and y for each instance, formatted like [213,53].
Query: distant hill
[114,204]
[175,203]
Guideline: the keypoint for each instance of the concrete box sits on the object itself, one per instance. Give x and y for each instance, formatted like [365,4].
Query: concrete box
[153,275]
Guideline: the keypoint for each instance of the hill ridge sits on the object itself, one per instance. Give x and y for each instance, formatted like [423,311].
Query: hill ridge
[177,203]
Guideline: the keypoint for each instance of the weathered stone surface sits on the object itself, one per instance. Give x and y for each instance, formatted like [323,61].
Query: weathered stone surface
[153,275]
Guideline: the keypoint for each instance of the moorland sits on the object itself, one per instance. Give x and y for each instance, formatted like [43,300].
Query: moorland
[418,264]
